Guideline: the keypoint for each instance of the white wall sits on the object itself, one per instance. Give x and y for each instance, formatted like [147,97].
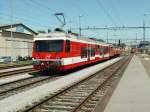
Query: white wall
[15,47]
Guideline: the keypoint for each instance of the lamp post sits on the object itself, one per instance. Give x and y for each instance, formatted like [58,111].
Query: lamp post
[11,32]
[107,37]
[144,31]
[80,24]
[144,25]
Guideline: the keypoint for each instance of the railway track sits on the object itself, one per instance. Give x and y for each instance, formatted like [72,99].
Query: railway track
[14,72]
[14,66]
[84,95]
[15,87]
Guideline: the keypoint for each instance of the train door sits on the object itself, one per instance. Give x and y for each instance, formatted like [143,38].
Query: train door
[101,50]
[67,48]
[106,51]
[89,52]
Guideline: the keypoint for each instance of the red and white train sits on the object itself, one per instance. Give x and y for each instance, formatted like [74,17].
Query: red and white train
[59,51]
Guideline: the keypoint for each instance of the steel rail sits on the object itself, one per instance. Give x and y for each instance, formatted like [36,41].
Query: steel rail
[35,107]
[22,84]
[14,72]
[100,86]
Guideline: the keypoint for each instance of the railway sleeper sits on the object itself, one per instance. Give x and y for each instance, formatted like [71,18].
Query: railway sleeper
[58,107]
[63,103]
[71,97]
[47,110]
[77,94]
[69,100]
[86,109]
[90,105]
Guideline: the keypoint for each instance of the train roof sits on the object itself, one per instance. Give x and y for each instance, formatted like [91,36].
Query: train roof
[67,36]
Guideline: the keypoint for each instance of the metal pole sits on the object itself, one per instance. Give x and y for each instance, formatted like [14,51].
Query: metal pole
[80,31]
[144,24]
[107,37]
[136,37]
[144,51]
[80,25]
[144,29]
[11,32]
[136,43]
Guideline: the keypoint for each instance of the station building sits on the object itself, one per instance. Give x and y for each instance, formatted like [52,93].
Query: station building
[16,40]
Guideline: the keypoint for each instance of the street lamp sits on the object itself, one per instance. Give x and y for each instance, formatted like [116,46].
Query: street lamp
[80,24]
[144,51]
[144,26]
[11,32]
[107,37]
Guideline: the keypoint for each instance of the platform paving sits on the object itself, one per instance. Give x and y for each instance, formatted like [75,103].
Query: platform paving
[133,91]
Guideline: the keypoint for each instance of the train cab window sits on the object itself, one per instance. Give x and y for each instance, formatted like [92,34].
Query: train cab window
[49,45]
[67,45]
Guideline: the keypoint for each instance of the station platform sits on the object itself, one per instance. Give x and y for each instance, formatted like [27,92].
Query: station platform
[132,94]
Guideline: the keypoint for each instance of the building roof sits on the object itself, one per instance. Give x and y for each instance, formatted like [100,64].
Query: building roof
[17,24]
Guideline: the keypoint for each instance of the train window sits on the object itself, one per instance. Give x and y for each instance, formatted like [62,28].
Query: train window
[84,52]
[97,48]
[93,52]
[103,50]
[67,45]
[49,45]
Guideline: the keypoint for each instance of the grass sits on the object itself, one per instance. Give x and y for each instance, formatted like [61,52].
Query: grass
[15,64]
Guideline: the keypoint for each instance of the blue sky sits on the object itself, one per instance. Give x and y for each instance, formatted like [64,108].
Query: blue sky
[38,14]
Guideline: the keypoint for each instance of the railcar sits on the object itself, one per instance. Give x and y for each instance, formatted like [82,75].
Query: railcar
[59,51]
[133,50]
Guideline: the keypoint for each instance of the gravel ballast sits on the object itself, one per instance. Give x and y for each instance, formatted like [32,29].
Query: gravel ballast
[14,78]
[20,101]
[13,69]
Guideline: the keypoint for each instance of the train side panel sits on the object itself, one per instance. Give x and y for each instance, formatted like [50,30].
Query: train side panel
[68,54]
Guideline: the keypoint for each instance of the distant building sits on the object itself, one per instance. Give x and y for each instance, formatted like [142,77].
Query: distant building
[17,43]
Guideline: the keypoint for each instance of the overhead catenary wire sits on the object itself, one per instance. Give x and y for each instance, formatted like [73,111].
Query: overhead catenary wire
[42,5]
[37,13]
[24,18]
[21,18]
[106,12]
[78,7]
[115,12]
[52,10]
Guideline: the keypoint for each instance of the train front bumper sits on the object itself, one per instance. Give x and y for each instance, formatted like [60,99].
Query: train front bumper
[46,64]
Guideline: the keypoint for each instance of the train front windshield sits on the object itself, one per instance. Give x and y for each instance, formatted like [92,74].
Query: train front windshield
[49,45]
